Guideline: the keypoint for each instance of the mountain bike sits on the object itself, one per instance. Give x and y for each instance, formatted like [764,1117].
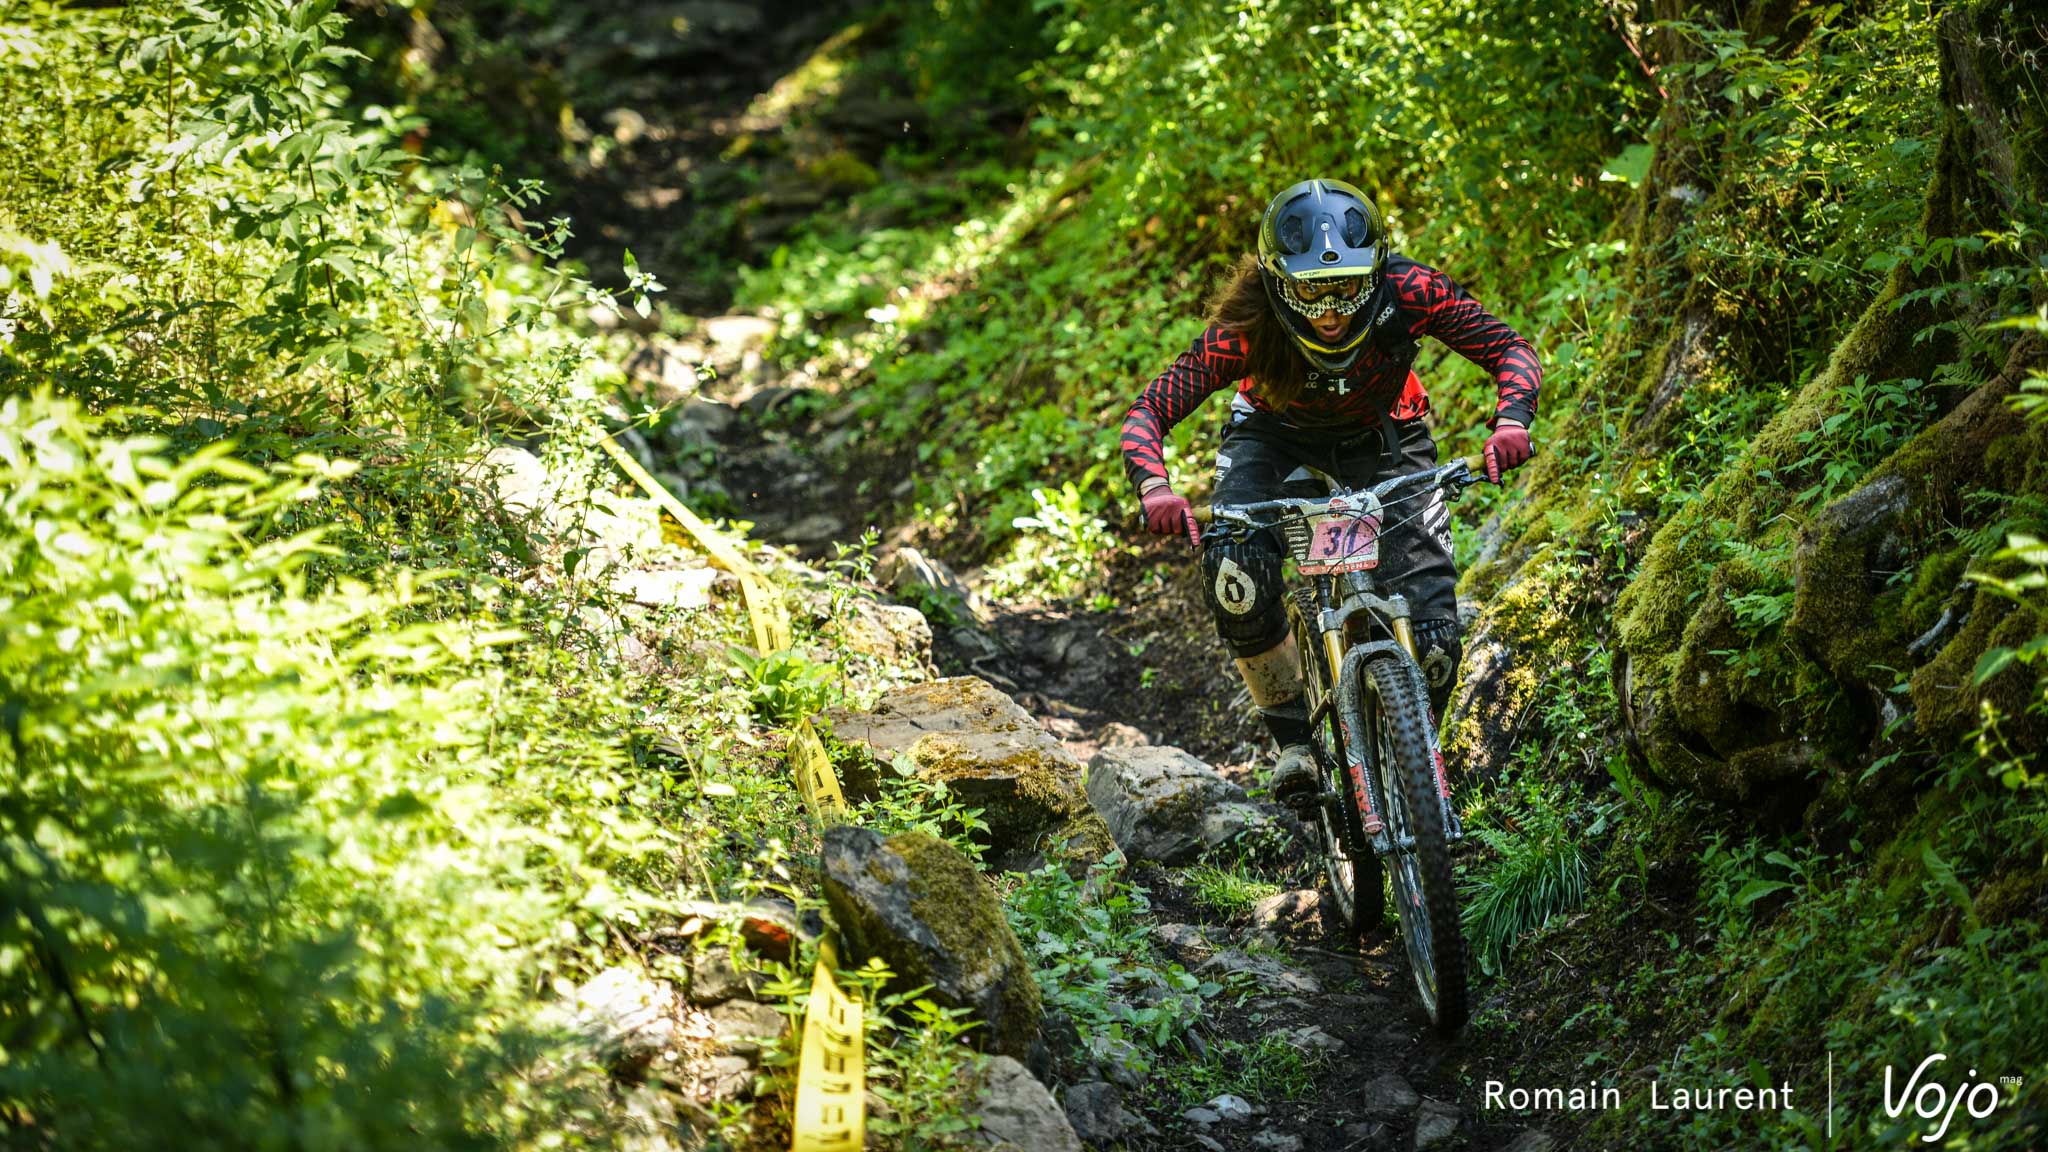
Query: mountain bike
[1385,804]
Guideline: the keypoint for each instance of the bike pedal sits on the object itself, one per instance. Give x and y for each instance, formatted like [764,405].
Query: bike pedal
[1307,803]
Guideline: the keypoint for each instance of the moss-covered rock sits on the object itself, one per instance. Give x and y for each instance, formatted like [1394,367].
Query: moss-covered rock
[917,902]
[966,734]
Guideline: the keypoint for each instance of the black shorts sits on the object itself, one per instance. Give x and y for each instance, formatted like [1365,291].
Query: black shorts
[1262,458]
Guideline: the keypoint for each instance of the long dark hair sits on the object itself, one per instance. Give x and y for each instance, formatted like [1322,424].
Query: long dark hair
[1278,369]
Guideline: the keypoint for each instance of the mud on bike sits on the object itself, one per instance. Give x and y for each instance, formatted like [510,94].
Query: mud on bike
[1385,804]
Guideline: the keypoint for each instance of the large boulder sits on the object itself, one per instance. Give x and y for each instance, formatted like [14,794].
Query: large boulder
[1163,804]
[919,904]
[1017,1114]
[989,753]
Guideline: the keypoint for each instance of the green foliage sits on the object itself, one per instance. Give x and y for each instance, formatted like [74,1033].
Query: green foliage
[1537,871]
[1229,890]
[266,848]
[910,803]
[1062,544]
[787,686]
[1096,963]
[1269,1069]
[918,1065]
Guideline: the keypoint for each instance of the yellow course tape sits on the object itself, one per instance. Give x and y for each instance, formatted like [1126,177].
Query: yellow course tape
[831,1085]
[764,609]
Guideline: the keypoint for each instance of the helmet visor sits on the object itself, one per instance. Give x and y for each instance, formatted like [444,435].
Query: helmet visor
[1343,295]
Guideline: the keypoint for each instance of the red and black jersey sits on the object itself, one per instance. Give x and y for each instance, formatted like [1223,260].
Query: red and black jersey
[1412,301]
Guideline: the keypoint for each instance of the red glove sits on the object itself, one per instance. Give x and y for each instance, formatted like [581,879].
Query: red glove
[1167,514]
[1506,449]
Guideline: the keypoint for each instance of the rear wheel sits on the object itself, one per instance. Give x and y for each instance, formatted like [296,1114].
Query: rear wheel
[1397,711]
[1350,870]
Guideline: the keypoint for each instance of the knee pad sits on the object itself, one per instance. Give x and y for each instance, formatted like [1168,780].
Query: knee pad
[1440,647]
[1242,584]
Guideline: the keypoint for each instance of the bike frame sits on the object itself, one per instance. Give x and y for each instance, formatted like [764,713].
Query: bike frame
[1357,623]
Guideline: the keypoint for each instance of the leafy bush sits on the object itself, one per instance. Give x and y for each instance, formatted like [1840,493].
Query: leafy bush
[261,843]
[786,686]
[1096,963]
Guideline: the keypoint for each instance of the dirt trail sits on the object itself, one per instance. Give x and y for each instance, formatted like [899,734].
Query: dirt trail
[1150,668]
[1147,667]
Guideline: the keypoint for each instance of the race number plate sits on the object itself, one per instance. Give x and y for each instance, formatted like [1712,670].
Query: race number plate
[1342,540]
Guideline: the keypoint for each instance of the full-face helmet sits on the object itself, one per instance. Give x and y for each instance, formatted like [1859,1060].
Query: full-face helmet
[1321,249]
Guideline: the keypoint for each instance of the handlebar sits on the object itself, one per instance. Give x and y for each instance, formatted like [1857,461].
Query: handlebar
[1457,475]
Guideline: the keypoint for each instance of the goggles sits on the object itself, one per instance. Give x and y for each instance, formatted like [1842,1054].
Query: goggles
[1316,298]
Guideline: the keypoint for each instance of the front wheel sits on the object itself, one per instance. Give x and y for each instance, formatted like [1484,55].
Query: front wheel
[1357,890]
[1397,712]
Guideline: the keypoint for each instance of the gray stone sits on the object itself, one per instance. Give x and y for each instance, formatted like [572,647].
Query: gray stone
[1270,1140]
[1017,1114]
[887,632]
[1117,734]
[1435,1123]
[1368,1135]
[625,1017]
[1162,804]
[521,482]
[1267,972]
[1310,1038]
[743,1026]
[651,1124]
[732,337]
[1387,1095]
[714,978]
[1207,1143]
[1534,1140]
[1185,941]
[965,734]
[1096,1111]
[706,420]
[919,904]
[1120,1061]
[1295,911]
[665,587]
[667,367]
[568,504]
[724,1078]
[905,568]
[1202,1116]
[816,528]
[1231,1109]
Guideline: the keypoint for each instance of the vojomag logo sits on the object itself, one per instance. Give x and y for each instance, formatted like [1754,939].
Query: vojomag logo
[1933,1098]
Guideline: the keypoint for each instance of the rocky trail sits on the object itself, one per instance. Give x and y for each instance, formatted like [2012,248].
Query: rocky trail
[1141,694]
[1137,690]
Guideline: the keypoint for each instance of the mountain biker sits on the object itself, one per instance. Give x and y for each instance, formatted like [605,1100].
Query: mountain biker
[1318,332]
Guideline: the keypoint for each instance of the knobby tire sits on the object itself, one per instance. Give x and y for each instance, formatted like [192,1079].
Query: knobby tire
[1350,869]
[1427,899]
